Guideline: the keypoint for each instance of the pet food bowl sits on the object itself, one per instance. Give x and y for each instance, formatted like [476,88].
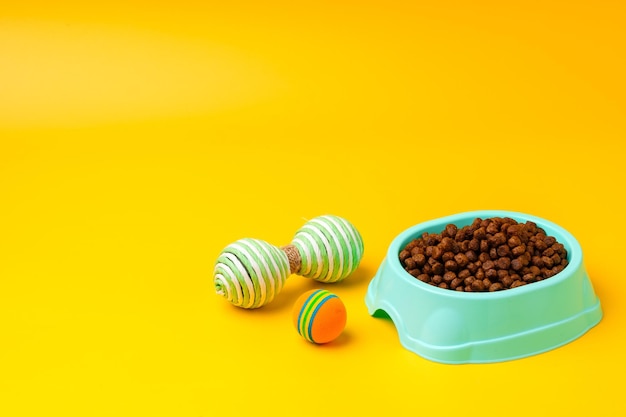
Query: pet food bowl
[448,326]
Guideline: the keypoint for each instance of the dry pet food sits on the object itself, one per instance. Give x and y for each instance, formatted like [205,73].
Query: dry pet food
[489,255]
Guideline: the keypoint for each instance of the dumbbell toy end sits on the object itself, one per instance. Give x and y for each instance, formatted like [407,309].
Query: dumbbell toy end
[250,272]
[330,248]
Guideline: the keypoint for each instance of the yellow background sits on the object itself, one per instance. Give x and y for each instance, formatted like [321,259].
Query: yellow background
[139,138]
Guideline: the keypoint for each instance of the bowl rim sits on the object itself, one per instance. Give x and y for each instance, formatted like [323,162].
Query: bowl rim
[562,236]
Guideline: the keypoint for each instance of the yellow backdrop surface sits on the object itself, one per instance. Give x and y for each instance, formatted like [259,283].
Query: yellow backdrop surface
[137,139]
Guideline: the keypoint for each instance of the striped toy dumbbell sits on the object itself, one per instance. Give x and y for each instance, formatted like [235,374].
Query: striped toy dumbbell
[251,272]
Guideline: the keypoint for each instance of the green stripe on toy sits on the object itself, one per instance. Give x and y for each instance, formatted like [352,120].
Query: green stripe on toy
[250,272]
[331,248]
[319,316]
[308,310]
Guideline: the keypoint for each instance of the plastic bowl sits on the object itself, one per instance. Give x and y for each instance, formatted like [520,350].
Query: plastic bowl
[457,327]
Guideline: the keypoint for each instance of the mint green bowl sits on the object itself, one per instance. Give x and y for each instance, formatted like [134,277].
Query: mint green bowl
[457,327]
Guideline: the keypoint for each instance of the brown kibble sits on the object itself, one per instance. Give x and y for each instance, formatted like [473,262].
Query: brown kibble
[492,274]
[503,263]
[455,247]
[456,283]
[514,241]
[529,277]
[488,265]
[507,281]
[480,233]
[517,264]
[463,234]
[489,225]
[419,259]
[432,239]
[449,276]
[493,228]
[559,248]
[478,285]
[480,274]
[525,259]
[540,244]
[461,260]
[499,239]
[549,240]
[451,230]
[517,283]
[447,256]
[551,272]
[518,250]
[451,266]
[447,244]
[488,255]
[503,250]
[547,262]
[513,230]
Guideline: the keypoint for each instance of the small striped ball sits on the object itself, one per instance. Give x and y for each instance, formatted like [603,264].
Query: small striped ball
[319,316]
[330,247]
[250,272]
